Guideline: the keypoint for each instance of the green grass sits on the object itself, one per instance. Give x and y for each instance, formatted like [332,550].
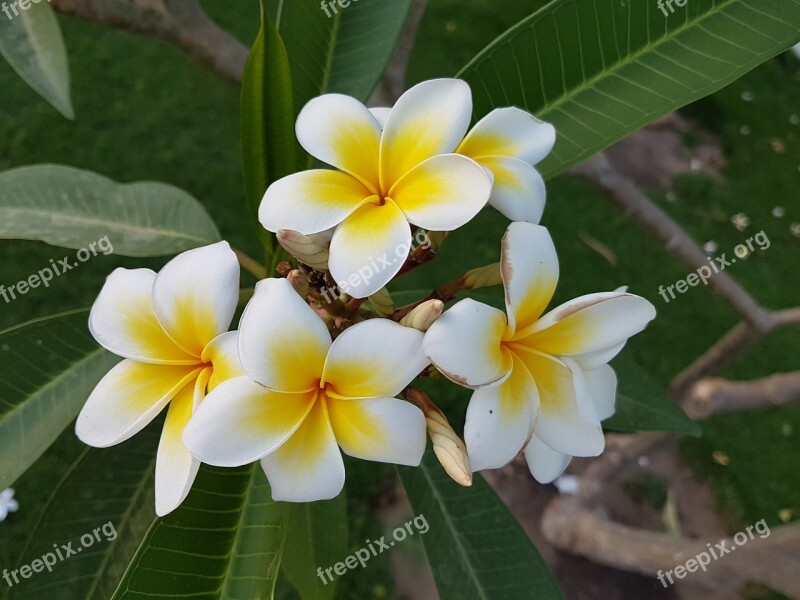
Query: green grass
[145,111]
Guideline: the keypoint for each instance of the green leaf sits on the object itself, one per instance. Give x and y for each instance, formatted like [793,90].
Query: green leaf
[267,119]
[317,537]
[109,489]
[601,69]
[643,405]
[73,208]
[475,547]
[31,42]
[50,366]
[225,541]
[345,52]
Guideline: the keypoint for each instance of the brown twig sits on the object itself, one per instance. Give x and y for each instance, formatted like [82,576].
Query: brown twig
[714,396]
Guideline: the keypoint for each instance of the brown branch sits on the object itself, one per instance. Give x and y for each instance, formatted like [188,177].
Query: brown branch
[182,23]
[625,195]
[713,396]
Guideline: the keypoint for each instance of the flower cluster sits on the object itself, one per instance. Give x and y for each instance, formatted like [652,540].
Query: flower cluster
[304,379]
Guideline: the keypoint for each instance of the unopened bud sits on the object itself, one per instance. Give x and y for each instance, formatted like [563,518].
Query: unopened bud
[424,315]
[382,302]
[299,282]
[307,250]
[483,277]
[448,447]
[436,238]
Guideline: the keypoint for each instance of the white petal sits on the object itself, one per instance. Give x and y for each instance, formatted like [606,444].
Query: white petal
[529,266]
[545,464]
[311,201]
[465,345]
[429,119]
[500,420]
[369,249]
[443,193]
[592,360]
[195,295]
[510,132]
[567,420]
[241,422]
[309,466]
[340,131]
[223,354]
[282,341]
[127,399]
[376,358]
[380,429]
[176,468]
[123,321]
[519,192]
[381,115]
[590,324]
[602,383]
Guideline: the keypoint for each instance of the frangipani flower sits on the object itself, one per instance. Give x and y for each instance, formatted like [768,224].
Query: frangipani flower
[305,397]
[542,383]
[7,503]
[172,330]
[509,142]
[386,180]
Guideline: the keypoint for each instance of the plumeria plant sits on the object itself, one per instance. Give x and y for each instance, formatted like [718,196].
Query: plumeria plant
[220,417]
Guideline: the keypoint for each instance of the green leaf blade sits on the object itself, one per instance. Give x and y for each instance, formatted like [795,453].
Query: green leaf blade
[600,69]
[72,208]
[50,367]
[643,405]
[32,44]
[225,541]
[475,547]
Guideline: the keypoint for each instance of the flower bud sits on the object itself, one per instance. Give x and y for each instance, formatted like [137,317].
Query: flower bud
[483,277]
[307,250]
[448,447]
[299,281]
[382,302]
[436,238]
[424,315]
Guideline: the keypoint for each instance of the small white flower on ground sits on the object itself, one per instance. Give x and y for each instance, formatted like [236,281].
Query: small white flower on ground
[567,485]
[778,212]
[7,503]
[741,221]
[542,383]
[710,247]
[171,328]
[306,396]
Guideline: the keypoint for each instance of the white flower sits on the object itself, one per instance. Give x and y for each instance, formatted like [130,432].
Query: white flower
[542,380]
[172,330]
[7,503]
[305,396]
[386,180]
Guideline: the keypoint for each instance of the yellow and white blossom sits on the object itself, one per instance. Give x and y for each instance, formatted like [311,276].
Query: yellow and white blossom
[387,179]
[171,328]
[542,380]
[306,396]
[509,142]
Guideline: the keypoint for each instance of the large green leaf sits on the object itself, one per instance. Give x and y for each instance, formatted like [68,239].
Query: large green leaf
[345,52]
[31,42]
[74,208]
[643,405]
[600,69]
[109,489]
[317,537]
[475,547]
[49,368]
[267,118]
[224,542]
